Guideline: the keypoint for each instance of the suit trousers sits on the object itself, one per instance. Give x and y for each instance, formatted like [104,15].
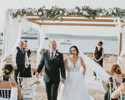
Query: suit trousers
[19,72]
[52,90]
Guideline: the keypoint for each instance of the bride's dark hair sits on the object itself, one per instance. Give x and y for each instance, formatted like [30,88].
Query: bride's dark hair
[75,48]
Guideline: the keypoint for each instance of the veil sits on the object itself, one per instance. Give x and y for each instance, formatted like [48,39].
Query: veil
[91,66]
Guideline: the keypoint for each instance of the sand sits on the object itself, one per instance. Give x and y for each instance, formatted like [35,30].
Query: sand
[109,60]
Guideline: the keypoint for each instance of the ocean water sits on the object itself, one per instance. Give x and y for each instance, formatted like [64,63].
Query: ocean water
[85,44]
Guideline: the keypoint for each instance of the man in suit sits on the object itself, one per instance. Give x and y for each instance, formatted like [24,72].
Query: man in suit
[54,64]
[20,60]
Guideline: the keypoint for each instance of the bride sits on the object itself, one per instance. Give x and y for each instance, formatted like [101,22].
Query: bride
[74,88]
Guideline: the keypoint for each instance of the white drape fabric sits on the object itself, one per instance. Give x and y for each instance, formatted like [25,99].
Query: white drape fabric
[40,44]
[123,41]
[93,66]
[11,36]
[120,58]
[41,36]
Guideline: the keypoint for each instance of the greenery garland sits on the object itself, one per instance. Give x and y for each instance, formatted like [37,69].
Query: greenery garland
[56,12]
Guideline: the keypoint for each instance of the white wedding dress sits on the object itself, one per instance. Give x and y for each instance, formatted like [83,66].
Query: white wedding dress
[74,87]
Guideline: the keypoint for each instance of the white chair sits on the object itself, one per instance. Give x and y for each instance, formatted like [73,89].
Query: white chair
[28,90]
[111,89]
[5,94]
[122,95]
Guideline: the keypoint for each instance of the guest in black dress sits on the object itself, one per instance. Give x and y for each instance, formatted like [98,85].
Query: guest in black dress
[98,55]
[27,72]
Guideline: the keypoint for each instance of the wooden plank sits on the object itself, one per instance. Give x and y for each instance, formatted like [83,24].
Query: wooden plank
[120,43]
[73,24]
[66,19]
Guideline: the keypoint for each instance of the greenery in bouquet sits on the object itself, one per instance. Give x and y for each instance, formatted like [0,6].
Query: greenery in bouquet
[37,82]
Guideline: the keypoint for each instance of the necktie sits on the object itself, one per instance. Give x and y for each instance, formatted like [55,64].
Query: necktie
[52,56]
[22,50]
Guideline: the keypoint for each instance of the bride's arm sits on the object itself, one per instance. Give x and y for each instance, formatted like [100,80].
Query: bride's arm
[83,65]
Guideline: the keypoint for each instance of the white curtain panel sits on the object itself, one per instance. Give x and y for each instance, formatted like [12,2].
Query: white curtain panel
[40,44]
[11,35]
[120,58]
[41,36]
[123,42]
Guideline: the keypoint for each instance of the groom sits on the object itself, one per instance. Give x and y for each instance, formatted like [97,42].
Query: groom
[54,64]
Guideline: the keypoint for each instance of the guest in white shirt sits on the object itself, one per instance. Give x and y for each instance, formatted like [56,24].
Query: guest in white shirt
[20,60]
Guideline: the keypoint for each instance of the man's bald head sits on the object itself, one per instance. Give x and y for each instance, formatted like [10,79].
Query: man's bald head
[52,45]
[21,43]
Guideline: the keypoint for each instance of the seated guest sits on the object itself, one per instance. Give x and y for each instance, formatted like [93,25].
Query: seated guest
[14,91]
[118,82]
[8,83]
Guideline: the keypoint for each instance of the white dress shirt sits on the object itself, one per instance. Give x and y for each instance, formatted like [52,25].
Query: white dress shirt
[53,54]
[14,58]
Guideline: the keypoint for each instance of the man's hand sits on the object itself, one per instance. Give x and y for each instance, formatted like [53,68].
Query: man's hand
[16,67]
[27,65]
[37,75]
[63,80]
[12,82]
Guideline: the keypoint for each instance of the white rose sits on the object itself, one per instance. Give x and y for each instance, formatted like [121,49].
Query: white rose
[61,12]
[114,10]
[29,10]
[85,13]
[75,10]
[40,13]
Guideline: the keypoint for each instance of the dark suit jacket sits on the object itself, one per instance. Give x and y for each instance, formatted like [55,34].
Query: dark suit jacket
[52,67]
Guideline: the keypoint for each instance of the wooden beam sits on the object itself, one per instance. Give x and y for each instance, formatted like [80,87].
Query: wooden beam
[66,19]
[120,43]
[73,24]
[77,24]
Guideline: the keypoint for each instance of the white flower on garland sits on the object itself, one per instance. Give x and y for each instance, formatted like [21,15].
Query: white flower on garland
[61,12]
[110,11]
[29,10]
[40,13]
[85,13]
[104,12]
[35,11]
[114,10]
[66,13]
[75,10]
[69,11]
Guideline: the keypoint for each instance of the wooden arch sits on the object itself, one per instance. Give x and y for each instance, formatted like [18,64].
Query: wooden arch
[79,20]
